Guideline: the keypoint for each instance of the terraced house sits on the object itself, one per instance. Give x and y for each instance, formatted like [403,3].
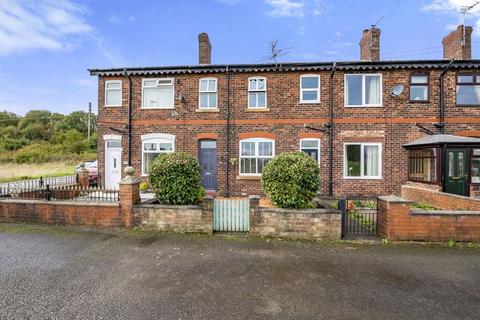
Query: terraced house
[372,125]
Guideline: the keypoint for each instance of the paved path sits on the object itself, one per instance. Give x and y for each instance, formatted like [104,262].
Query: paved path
[53,273]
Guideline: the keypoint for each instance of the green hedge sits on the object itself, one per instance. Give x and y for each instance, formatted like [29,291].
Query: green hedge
[175,179]
[291,180]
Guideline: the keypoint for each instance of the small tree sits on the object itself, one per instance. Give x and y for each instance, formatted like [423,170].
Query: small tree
[291,180]
[175,179]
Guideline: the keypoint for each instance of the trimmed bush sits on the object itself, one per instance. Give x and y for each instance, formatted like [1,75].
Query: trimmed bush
[291,180]
[175,179]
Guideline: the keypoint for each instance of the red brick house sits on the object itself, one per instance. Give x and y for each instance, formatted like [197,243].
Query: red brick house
[353,117]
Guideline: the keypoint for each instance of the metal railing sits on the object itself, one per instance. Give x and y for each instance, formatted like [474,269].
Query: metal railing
[359,215]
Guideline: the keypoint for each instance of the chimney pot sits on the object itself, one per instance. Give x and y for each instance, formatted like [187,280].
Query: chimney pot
[204,49]
[370,44]
[458,44]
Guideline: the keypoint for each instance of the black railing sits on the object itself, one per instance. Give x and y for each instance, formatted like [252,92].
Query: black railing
[359,215]
[42,190]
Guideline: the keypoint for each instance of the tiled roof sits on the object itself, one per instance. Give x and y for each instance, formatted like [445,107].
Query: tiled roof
[436,139]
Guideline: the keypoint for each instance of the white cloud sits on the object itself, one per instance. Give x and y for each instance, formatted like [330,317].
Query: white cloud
[286,8]
[117,19]
[45,24]
[453,8]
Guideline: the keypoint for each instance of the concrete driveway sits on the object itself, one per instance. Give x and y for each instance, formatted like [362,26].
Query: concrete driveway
[55,273]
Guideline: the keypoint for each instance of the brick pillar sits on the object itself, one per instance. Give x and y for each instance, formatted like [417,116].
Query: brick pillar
[129,196]
[207,212]
[254,210]
[82,175]
[393,217]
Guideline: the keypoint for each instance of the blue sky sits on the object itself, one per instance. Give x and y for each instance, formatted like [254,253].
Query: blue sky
[47,45]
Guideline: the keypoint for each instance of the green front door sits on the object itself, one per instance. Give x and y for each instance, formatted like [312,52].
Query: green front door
[456,171]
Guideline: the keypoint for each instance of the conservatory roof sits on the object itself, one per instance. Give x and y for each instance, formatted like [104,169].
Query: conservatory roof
[436,139]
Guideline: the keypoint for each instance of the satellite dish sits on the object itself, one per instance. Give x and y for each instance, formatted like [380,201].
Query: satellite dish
[396,90]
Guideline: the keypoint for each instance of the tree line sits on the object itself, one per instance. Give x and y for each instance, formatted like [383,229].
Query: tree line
[44,136]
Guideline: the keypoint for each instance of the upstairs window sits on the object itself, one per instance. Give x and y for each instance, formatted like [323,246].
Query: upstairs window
[309,89]
[363,160]
[311,147]
[419,87]
[157,93]
[113,93]
[257,93]
[363,90]
[468,90]
[254,155]
[208,93]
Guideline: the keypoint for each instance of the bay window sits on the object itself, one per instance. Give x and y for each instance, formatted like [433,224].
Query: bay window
[208,93]
[468,90]
[363,90]
[475,166]
[257,93]
[152,146]
[158,93]
[254,155]
[422,165]
[363,160]
[309,89]
[113,93]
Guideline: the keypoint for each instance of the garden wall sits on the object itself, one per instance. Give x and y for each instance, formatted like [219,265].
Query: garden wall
[397,221]
[440,200]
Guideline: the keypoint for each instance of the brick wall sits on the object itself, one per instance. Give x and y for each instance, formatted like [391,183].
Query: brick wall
[392,125]
[396,221]
[440,200]
[61,213]
[175,218]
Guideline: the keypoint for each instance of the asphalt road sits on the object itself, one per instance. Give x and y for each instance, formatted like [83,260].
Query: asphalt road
[55,273]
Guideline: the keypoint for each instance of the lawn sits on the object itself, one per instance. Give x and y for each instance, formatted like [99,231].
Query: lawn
[15,171]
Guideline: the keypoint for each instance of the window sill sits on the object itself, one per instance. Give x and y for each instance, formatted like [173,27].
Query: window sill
[257,110]
[112,106]
[159,108]
[467,105]
[249,177]
[207,110]
[366,106]
[309,102]
[363,178]
[419,101]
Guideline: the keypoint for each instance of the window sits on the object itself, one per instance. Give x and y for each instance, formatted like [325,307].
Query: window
[254,155]
[152,146]
[257,93]
[208,93]
[422,165]
[309,89]
[363,160]
[419,87]
[363,90]
[475,166]
[157,93]
[311,147]
[468,90]
[113,93]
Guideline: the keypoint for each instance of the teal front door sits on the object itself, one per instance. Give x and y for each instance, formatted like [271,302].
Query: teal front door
[456,171]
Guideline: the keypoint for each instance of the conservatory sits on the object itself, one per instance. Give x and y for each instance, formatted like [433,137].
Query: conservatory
[450,162]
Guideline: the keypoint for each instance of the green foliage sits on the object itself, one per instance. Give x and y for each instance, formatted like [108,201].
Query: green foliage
[8,119]
[385,241]
[175,179]
[423,206]
[143,186]
[291,180]
[451,243]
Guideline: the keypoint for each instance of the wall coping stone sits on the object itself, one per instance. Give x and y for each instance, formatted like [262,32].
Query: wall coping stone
[443,193]
[394,199]
[420,212]
[61,203]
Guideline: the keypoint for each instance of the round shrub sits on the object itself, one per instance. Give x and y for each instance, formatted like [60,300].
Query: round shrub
[175,179]
[291,180]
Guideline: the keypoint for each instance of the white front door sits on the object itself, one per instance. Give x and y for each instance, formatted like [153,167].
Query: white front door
[113,164]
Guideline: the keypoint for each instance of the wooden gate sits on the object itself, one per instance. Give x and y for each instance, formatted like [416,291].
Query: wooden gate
[231,215]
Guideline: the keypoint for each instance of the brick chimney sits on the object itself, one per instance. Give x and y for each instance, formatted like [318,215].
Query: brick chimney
[458,44]
[204,49]
[370,44]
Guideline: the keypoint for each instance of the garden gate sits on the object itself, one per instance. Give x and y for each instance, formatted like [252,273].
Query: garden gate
[359,216]
[231,214]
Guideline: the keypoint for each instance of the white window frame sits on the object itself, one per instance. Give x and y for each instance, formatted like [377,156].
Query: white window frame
[156,138]
[309,89]
[362,155]
[106,90]
[345,94]
[256,91]
[158,79]
[311,139]
[256,156]
[207,91]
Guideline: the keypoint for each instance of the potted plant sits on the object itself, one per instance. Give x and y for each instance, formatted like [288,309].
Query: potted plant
[143,187]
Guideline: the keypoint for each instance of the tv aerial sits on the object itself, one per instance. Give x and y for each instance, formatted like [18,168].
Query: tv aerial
[275,52]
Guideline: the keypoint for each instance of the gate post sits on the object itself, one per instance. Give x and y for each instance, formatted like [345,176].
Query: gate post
[254,203]
[129,196]
[82,176]
[207,212]
[342,206]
